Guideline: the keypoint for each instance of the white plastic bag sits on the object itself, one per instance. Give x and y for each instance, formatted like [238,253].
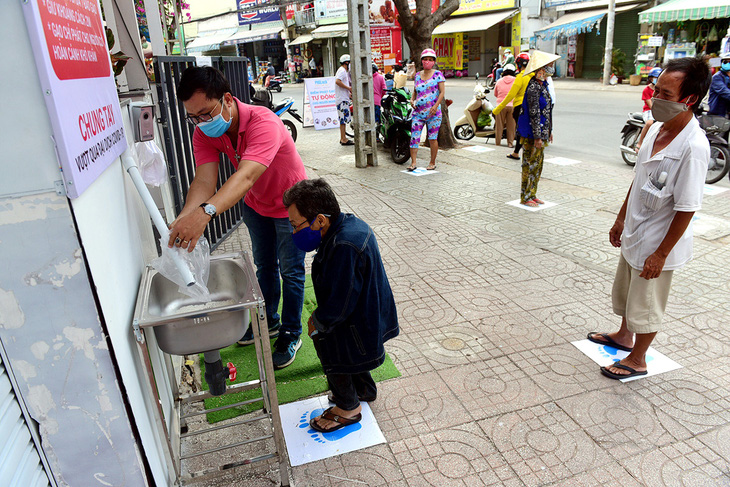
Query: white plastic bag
[198,261]
[151,163]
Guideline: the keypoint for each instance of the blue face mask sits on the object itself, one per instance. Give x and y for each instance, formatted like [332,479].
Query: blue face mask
[217,126]
[725,66]
[307,239]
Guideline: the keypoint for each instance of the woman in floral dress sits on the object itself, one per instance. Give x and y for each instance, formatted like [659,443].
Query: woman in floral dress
[426,101]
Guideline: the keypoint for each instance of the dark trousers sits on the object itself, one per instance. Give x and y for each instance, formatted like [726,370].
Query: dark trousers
[516,114]
[349,388]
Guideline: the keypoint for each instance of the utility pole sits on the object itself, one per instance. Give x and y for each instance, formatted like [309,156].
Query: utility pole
[609,41]
[358,23]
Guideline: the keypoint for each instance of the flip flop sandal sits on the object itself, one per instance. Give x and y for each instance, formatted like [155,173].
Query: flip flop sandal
[510,156]
[349,142]
[609,342]
[330,416]
[412,168]
[431,168]
[631,372]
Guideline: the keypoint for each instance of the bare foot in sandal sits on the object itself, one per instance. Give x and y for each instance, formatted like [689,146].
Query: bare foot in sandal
[531,204]
[335,418]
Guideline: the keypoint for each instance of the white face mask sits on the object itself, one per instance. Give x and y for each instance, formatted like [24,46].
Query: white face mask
[665,110]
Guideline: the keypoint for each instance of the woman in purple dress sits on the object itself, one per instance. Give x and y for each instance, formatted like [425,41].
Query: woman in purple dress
[426,101]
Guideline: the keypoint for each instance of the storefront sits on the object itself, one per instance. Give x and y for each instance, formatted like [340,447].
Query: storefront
[467,42]
[689,28]
[580,39]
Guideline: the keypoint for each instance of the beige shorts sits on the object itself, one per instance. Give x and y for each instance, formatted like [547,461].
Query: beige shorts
[641,301]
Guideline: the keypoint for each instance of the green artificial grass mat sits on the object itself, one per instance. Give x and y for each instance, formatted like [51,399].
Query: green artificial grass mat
[302,378]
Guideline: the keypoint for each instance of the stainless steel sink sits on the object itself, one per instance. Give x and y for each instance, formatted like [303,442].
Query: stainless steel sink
[185,325]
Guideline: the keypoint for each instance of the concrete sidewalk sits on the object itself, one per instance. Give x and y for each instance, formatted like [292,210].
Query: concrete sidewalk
[490,297]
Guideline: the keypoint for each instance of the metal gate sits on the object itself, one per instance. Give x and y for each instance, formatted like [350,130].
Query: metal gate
[20,463]
[178,135]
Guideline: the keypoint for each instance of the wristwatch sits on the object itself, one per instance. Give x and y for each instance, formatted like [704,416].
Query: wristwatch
[209,209]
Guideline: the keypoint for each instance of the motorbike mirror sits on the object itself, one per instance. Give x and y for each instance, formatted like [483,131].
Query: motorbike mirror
[477,76]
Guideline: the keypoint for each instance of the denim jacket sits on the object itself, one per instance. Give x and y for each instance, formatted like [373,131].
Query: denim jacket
[355,311]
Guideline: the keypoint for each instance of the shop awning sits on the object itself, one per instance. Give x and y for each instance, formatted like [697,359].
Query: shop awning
[474,22]
[575,23]
[303,39]
[209,40]
[680,10]
[244,34]
[327,31]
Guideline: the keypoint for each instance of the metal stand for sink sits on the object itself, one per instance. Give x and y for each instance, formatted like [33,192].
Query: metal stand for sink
[270,411]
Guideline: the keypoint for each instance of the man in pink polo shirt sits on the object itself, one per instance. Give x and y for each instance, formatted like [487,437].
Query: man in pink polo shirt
[267,164]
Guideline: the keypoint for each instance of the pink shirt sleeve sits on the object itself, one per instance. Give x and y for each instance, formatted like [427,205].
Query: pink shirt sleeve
[204,149]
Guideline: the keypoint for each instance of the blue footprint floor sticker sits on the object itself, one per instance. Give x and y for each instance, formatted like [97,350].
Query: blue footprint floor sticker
[324,437]
[612,353]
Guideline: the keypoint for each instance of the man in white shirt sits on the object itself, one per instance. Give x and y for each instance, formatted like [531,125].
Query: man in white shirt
[343,92]
[654,227]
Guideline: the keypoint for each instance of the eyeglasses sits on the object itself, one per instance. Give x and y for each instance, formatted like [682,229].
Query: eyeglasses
[296,228]
[206,117]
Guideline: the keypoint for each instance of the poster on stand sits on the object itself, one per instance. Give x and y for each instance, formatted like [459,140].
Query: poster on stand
[77,80]
[323,102]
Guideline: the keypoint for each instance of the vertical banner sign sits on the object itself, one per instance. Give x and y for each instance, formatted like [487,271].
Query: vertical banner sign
[323,102]
[72,58]
[516,33]
[459,51]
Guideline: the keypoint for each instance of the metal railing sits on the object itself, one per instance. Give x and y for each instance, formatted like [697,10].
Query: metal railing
[178,135]
[305,17]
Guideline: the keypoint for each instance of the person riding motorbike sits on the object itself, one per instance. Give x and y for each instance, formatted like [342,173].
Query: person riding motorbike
[646,97]
[719,90]
[516,93]
[507,58]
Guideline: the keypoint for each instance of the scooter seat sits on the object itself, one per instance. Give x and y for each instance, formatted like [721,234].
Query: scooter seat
[638,116]
[278,107]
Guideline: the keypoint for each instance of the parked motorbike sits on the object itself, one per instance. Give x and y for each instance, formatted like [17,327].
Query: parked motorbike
[394,130]
[477,120]
[263,98]
[492,76]
[275,84]
[716,129]
[630,137]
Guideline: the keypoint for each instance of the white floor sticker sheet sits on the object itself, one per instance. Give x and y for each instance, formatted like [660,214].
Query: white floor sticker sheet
[420,171]
[517,204]
[306,445]
[603,355]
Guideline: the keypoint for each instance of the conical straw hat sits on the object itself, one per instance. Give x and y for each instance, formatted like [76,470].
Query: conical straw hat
[538,59]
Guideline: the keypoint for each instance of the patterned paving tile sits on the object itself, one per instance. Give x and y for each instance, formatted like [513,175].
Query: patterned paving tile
[621,421]
[561,371]
[609,475]
[475,304]
[719,441]
[412,406]
[687,464]
[429,311]
[543,444]
[355,468]
[458,456]
[516,331]
[492,387]
[450,345]
[693,399]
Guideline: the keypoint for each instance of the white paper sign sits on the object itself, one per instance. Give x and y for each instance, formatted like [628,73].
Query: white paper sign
[306,445]
[562,161]
[323,102]
[604,355]
[72,58]
[420,171]
[517,204]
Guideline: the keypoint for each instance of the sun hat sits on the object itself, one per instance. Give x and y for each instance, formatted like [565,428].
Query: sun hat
[428,53]
[539,59]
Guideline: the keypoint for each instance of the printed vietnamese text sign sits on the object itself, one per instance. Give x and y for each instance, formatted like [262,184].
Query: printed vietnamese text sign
[72,58]
[323,102]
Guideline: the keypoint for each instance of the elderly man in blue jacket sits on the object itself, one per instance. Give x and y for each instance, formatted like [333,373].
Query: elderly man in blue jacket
[355,311]
[719,92]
